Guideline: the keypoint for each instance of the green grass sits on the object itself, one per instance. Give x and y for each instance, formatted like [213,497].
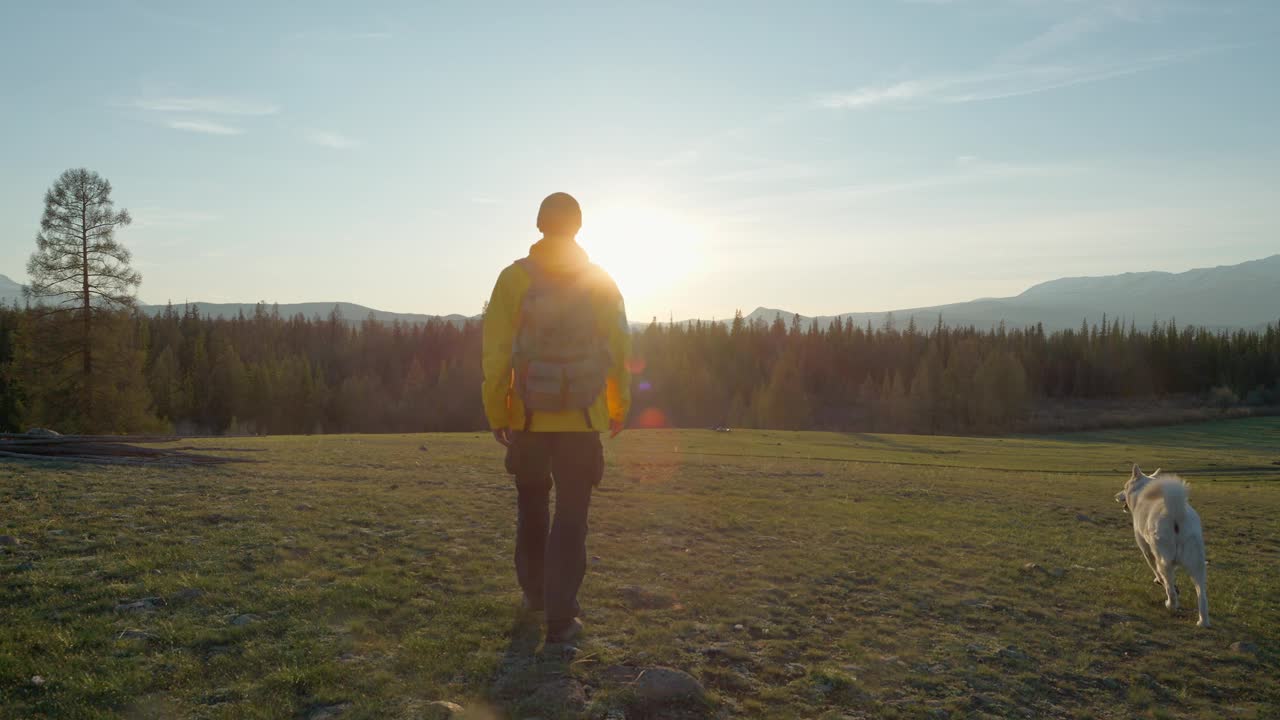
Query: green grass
[816,576]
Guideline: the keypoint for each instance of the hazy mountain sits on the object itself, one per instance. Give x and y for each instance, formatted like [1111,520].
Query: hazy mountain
[10,292]
[1230,296]
[350,311]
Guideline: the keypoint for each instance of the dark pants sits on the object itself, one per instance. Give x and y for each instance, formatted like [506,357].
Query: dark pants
[551,557]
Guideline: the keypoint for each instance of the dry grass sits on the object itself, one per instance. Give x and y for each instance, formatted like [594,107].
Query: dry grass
[809,575]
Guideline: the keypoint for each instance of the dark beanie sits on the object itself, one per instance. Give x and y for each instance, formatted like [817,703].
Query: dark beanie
[559,213]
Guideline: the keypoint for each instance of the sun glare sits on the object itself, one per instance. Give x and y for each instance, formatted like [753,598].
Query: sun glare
[647,249]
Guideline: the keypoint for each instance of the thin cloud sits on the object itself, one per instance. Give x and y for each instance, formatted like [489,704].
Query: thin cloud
[1030,81]
[208,105]
[997,82]
[164,18]
[868,96]
[320,42]
[975,171]
[782,172]
[329,139]
[969,170]
[204,126]
[1089,18]
[1064,33]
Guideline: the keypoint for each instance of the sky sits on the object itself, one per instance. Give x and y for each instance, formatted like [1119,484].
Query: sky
[820,157]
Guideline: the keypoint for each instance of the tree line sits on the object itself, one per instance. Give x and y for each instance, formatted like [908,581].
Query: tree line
[264,373]
[80,357]
[939,380]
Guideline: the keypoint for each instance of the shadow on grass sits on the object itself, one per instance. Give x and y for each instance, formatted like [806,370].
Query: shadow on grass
[529,682]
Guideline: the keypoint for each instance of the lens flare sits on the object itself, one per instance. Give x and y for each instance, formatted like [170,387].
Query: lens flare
[651,419]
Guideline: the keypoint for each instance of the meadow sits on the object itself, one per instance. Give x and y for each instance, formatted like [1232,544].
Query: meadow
[792,575]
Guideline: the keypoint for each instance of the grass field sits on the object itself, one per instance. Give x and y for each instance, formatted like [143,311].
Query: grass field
[795,575]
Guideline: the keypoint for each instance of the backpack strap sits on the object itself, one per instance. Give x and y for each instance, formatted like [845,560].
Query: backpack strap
[540,276]
[537,274]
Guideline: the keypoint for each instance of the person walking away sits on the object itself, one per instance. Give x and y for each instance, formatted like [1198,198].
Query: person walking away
[556,343]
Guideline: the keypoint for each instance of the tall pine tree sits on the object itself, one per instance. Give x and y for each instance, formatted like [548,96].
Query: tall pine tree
[83,362]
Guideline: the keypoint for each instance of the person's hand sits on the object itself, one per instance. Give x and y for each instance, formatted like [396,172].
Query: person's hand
[615,428]
[503,436]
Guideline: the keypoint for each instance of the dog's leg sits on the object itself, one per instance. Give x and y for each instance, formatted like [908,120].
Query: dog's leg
[1165,571]
[1202,594]
[1195,566]
[1149,556]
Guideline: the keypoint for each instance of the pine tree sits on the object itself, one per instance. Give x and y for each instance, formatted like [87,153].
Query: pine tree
[868,401]
[739,413]
[925,393]
[227,386]
[783,403]
[165,380]
[12,410]
[778,328]
[83,355]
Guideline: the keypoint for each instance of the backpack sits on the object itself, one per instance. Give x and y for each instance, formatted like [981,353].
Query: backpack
[561,354]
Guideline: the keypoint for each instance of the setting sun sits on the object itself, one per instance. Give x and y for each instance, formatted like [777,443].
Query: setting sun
[646,248]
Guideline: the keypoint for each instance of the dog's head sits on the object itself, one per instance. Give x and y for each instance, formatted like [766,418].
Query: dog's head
[1133,485]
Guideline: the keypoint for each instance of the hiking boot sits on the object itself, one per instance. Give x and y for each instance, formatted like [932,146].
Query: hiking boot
[564,633]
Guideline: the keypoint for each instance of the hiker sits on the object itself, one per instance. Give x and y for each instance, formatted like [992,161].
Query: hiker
[556,342]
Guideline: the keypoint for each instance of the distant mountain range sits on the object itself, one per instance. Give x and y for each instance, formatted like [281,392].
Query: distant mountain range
[1225,297]
[10,292]
[350,312]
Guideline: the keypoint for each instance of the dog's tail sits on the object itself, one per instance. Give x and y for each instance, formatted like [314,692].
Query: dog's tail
[1175,501]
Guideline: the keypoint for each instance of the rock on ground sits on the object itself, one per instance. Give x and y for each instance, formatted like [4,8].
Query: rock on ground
[186,594]
[661,686]
[565,694]
[659,692]
[442,710]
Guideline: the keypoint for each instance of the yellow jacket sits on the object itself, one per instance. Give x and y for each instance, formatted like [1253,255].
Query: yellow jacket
[501,404]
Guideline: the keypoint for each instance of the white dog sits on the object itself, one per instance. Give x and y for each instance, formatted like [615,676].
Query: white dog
[1168,533]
